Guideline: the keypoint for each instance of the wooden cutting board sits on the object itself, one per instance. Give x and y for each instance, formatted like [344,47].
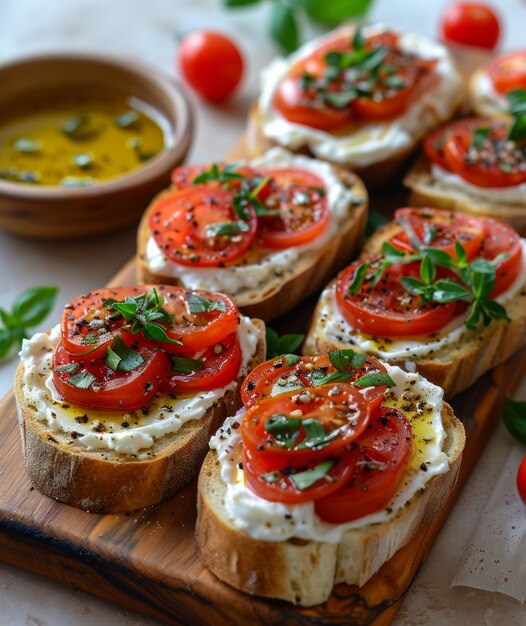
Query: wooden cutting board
[146,560]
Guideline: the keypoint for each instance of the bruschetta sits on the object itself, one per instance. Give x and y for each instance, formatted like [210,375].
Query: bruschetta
[359,97]
[440,293]
[117,403]
[268,233]
[333,464]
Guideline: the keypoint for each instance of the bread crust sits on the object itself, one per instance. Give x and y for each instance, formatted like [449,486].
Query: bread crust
[307,276]
[301,571]
[107,482]
[425,191]
[452,368]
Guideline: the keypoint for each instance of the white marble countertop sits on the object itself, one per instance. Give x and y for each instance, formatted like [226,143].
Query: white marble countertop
[148,30]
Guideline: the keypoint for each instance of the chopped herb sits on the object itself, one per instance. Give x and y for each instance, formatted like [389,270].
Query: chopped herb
[304,480]
[358,279]
[200,304]
[270,477]
[395,82]
[121,357]
[286,344]
[320,377]
[375,379]
[68,368]
[227,228]
[84,380]
[480,137]
[291,359]
[185,365]
[347,358]
[284,429]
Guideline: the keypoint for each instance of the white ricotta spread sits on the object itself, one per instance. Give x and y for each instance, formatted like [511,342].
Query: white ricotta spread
[486,95]
[375,141]
[166,415]
[260,268]
[516,194]
[274,521]
[337,328]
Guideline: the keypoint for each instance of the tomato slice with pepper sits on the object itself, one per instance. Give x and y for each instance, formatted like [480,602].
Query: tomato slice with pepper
[91,384]
[500,238]
[216,367]
[198,226]
[437,229]
[379,461]
[184,176]
[389,310]
[278,483]
[289,373]
[508,71]
[299,426]
[301,200]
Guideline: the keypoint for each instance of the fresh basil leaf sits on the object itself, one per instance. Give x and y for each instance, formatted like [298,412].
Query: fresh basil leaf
[286,344]
[483,282]
[438,257]
[233,4]
[375,379]
[359,277]
[514,419]
[343,359]
[283,26]
[480,137]
[68,368]
[127,120]
[395,82]
[358,40]
[428,270]
[121,357]
[128,309]
[334,58]
[474,316]
[227,228]
[272,338]
[413,285]
[281,425]
[318,377]
[7,339]
[448,290]
[505,167]
[200,304]
[304,480]
[33,305]
[112,360]
[460,252]
[157,333]
[185,365]
[392,255]
[338,100]
[313,428]
[373,59]
[270,477]
[291,359]
[516,133]
[84,380]
[493,310]
[333,12]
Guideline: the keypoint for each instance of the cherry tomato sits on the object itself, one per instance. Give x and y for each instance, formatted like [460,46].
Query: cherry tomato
[184,176]
[185,226]
[508,72]
[500,238]
[211,63]
[109,390]
[472,24]
[220,365]
[301,199]
[389,310]
[435,141]
[337,413]
[521,480]
[379,462]
[282,375]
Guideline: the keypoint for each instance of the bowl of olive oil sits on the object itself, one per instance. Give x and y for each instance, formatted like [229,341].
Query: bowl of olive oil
[85,143]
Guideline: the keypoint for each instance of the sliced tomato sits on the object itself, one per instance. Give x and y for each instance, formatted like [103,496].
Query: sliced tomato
[389,310]
[285,374]
[220,365]
[87,326]
[379,461]
[301,199]
[336,413]
[197,330]
[275,482]
[500,238]
[183,223]
[435,141]
[508,72]
[109,390]
[184,176]
[438,229]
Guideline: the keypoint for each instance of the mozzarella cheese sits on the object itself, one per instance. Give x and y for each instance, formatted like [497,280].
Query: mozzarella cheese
[485,95]
[126,434]
[274,521]
[260,269]
[395,348]
[515,194]
[376,141]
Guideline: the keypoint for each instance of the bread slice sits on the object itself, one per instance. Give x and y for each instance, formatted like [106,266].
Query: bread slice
[108,482]
[427,191]
[453,367]
[307,276]
[304,572]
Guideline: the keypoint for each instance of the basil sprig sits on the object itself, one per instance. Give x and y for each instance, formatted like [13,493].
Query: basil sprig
[284,345]
[474,283]
[517,109]
[121,357]
[144,314]
[29,309]
[514,418]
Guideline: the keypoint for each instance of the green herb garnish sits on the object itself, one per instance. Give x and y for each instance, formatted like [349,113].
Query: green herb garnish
[185,365]
[200,304]
[284,345]
[304,480]
[84,380]
[375,379]
[227,228]
[284,429]
[68,368]
[121,357]
[514,418]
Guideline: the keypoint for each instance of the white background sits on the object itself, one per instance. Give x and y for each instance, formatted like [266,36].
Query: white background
[148,30]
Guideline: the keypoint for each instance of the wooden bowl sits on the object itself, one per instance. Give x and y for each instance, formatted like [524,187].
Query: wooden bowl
[59,213]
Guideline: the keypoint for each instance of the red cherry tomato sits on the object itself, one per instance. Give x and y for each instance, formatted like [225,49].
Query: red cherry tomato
[521,480]
[471,24]
[508,72]
[211,63]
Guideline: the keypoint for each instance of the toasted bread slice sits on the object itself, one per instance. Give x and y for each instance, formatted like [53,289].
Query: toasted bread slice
[454,367]
[306,276]
[301,571]
[103,481]
[427,191]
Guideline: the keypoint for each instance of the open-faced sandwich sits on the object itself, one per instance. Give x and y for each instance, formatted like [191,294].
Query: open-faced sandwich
[117,404]
[490,84]
[333,465]
[268,233]
[477,166]
[359,97]
[440,293]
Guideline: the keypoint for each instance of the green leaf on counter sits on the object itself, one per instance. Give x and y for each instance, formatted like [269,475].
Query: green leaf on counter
[283,26]
[514,418]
